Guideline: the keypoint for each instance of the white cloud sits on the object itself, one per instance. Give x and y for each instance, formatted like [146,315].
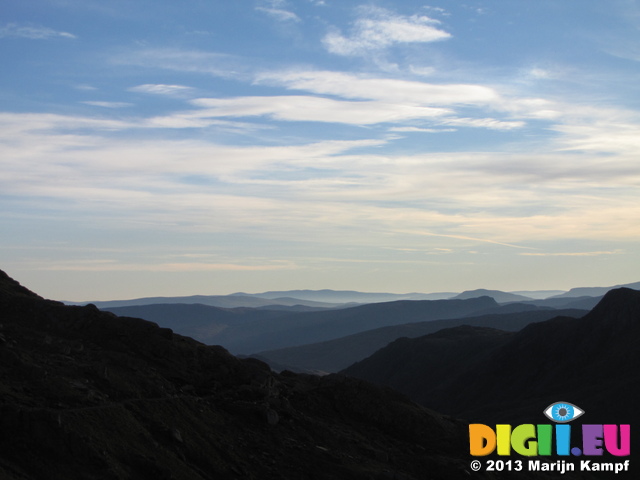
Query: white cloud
[32,32]
[108,104]
[276,9]
[313,109]
[600,136]
[421,130]
[160,89]
[490,123]
[280,14]
[384,89]
[410,96]
[335,189]
[379,28]
[437,10]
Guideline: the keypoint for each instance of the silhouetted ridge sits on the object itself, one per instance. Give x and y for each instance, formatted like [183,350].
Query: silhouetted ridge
[619,308]
[338,354]
[593,361]
[11,288]
[85,394]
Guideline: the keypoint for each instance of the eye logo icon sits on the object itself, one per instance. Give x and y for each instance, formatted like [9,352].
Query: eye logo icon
[563,412]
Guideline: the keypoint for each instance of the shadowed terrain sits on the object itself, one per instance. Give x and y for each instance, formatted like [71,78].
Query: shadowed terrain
[489,376]
[88,395]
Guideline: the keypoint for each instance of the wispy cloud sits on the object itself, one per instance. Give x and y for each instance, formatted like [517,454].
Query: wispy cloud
[352,86]
[32,32]
[280,14]
[326,188]
[407,95]
[313,109]
[161,89]
[463,237]
[108,104]
[490,123]
[192,61]
[600,135]
[571,254]
[378,28]
[421,130]
[118,266]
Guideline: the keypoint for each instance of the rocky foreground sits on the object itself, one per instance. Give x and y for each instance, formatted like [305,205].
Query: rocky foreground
[88,395]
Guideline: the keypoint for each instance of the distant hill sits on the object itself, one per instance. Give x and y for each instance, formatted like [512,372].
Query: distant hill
[89,395]
[497,295]
[493,376]
[202,322]
[585,302]
[349,296]
[595,291]
[222,301]
[338,354]
[310,327]
[247,331]
[538,294]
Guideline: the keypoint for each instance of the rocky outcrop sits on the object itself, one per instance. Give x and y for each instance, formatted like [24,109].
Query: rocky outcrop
[85,394]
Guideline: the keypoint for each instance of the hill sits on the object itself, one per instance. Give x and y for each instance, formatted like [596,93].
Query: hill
[201,322]
[497,295]
[89,395]
[349,296]
[493,376]
[338,354]
[221,301]
[595,291]
[309,327]
[248,331]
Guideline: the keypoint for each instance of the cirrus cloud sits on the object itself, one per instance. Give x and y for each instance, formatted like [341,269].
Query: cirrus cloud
[378,28]
[160,89]
[32,32]
[314,109]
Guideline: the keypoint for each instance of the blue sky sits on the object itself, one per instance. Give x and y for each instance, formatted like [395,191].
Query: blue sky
[208,147]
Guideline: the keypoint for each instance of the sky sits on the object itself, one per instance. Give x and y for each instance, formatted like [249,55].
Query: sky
[156,147]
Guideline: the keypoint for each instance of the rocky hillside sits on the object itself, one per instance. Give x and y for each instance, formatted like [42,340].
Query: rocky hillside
[88,395]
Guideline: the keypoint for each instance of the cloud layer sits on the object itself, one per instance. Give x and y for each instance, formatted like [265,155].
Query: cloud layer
[312,143]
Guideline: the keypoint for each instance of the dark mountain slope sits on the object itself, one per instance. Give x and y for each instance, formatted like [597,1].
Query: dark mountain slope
[88,395]
[335,355]
[9,288]
[201,322]
[448,353]
[592,361]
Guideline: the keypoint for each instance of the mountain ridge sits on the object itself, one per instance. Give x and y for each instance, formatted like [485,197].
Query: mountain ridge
[590,361]
[333,356]
[89,395]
